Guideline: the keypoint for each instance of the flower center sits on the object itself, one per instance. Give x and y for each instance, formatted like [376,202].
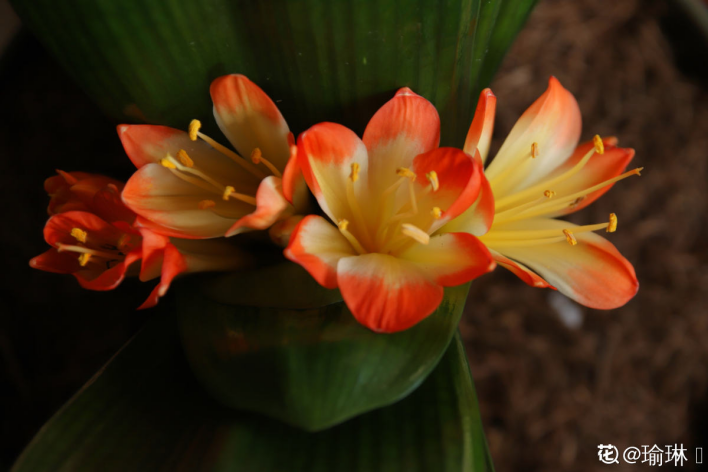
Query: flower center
[392,229]
[185,168]
[95,249]
[518,207]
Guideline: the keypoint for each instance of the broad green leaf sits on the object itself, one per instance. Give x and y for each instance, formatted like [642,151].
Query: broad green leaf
[320,60]
[314,367]
[145,412]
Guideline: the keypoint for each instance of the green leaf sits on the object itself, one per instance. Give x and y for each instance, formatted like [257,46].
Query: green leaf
[144,412]
[312,368]
[320,60]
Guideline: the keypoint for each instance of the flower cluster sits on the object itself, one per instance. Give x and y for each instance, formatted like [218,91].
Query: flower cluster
[401,219]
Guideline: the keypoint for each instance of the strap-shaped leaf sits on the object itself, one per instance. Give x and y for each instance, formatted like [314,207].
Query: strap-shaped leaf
[320,60]
[145,412]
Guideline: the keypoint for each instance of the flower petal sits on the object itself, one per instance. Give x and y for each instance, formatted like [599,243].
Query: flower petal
[407,125]
[55,261]
[173,264]
[478,218]
[479,136]
[385,293]
[270,207]
[592,273]
[250,119]
[451,259]
[148,144]
[459,184]
[599,168]
[110,278]
[521,271]
[156,194]
[318,246]
[553,122]
[58,229]
[326,153]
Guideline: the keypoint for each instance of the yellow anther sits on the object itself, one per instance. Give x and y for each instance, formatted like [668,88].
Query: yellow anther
[343,225]
[599,145]
[355,172]
[637,170]
[228,191]
[405,172]
[570,237]
[549,194]
[256,155]
[436,212]
[84,259]
[166,162]
[79,234]
[432,177]
[204,204]
[415,233]
[534,150]
[185,159]
[577,201]
[194,126]
[123,241]
[612,226]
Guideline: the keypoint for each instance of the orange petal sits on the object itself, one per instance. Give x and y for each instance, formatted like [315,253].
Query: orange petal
[479,136]
[58,228]
[553,122]
[459,180]
[156,194]
[318,246]
[271,205]
[599,168]
[325,153]
[407,125]
[110,278]
[250,119]
[451,259]
[57,262]
[173,265]
[387,294]
[478,218]
[593,272]
[521,271]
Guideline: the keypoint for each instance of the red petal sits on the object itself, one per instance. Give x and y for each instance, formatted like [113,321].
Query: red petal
[271,204]
[387,294]
[521,271]
[318,246]
[479,135]
[173,265]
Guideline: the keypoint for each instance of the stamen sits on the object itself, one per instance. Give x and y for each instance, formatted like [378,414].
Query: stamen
[534,150]
[230,192]
[79,234]
[436,212]
[405,172]
[343,225]
[570,237]
[506,201]
[185,159]
[229,153]
[415,233]
[84,259]
[612,227]
[204,204]
[504,215]
[432,176]
[194,126]
[549,194]
[123,241]
[354,176]
[166,162]
[84,250]
[257,158]
[599,145]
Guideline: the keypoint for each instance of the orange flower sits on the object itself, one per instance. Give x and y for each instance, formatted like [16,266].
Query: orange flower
[539,174]
[193,187]
[386,195]
[99,243]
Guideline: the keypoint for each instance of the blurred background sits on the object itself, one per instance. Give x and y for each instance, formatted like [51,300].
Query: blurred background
[554,379]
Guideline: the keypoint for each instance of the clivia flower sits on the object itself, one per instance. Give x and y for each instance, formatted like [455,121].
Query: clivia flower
[99,242]
[193,187]
[539,174]
[385,195]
